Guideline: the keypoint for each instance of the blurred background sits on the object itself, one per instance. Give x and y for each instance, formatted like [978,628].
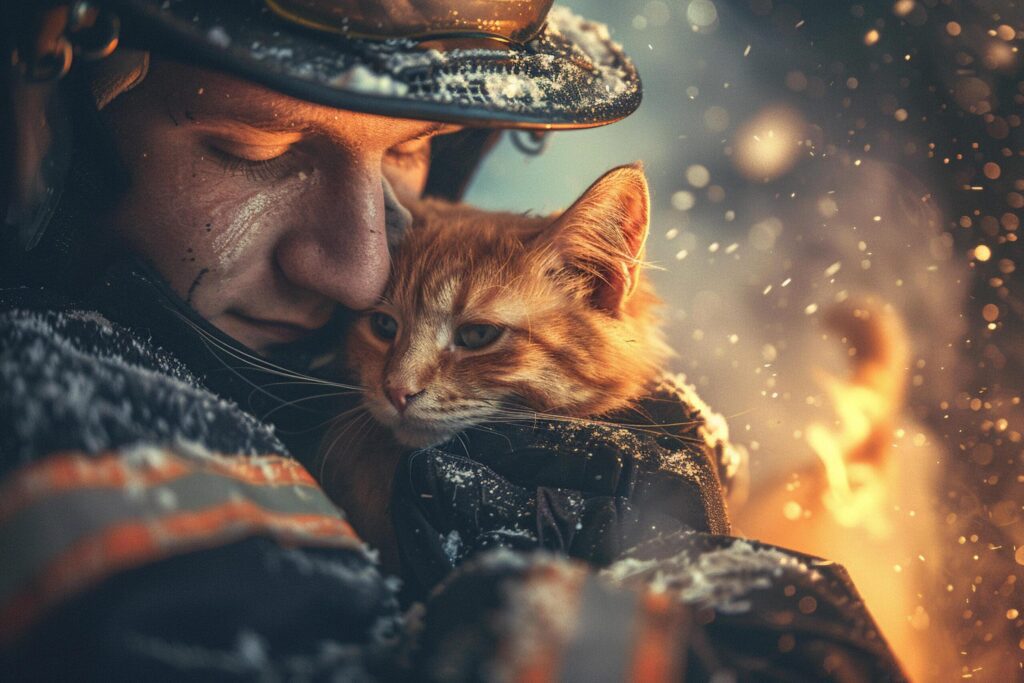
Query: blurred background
[836,197]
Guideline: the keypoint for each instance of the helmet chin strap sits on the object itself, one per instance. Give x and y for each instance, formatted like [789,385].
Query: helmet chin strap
[66,107]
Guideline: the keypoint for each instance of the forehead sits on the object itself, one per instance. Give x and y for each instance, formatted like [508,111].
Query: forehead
[211,96]
[467,293]
[470,264]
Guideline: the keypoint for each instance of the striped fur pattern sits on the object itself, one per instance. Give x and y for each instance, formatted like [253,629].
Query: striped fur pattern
[579,331]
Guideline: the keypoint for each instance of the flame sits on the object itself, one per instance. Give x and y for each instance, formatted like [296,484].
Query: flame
[854,454]
[855,492]
[881,494]
[870,504]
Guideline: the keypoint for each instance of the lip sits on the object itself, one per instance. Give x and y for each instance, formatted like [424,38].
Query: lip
[279,331]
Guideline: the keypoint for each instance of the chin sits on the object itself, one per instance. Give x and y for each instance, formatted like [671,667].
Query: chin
[421,437]
[410,433]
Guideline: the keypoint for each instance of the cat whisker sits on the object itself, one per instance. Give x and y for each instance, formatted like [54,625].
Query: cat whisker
[586,420]
[362,428]
[352,425]
[351,389]
[489,430]
[499,415]
[258,363]
[256,388]
[302,399]
[269,368]
[463,442]
[655,430]
[345,418]
[318,426]
[345,413]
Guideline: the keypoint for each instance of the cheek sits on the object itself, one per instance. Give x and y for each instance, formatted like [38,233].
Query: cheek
[188,216]
[220,228]
[168,232]
[365,359]
[485,376]
[241,229]
[527,374]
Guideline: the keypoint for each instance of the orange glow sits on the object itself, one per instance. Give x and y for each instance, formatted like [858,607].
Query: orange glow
[870,504]
[865,405]
[768,144]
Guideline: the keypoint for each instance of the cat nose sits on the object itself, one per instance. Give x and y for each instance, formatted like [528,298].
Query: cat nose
[400,396]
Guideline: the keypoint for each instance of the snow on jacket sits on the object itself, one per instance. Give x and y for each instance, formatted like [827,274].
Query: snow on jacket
[146,522]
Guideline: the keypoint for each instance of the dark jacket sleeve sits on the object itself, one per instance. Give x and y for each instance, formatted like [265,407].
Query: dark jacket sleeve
[693,607]
[150,530]
[760,612]
[675,596]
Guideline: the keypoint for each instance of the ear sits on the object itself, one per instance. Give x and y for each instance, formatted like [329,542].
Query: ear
[397,218]
[603,234]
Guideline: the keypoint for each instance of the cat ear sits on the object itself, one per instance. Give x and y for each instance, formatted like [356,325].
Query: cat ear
[603,234]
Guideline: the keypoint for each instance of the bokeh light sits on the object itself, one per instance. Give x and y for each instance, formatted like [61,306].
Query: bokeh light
[769,143]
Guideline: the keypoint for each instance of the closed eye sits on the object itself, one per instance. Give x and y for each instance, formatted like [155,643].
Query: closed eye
[271,163]
[477,336]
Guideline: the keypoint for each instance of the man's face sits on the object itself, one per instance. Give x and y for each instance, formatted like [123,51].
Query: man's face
[262,211]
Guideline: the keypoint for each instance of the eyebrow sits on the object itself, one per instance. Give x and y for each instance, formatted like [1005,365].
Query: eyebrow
[246,125]
[255,124]
[431,129]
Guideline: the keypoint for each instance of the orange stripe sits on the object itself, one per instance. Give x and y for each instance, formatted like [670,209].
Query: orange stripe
[63,472]
[67,471]
[658,653]
[544,663]
[134,544]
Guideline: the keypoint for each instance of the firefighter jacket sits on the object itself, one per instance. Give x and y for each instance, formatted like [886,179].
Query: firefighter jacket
[153,527]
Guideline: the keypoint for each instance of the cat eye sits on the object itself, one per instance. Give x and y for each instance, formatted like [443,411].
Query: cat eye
[477,336]
[384,326]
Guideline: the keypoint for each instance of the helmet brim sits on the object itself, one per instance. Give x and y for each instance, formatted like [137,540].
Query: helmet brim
[571,76]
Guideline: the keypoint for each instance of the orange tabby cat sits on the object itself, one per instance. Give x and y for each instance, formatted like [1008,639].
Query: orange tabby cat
[491,312]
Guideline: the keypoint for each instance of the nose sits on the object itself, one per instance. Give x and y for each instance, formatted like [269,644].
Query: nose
[339,249]
[400,396]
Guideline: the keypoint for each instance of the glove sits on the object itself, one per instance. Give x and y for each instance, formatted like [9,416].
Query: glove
[683,607]
[587,489]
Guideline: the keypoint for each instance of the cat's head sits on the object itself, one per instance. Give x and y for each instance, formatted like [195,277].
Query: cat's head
[490,316]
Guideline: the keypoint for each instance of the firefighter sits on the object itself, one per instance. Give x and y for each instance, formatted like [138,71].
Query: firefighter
[197,195]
